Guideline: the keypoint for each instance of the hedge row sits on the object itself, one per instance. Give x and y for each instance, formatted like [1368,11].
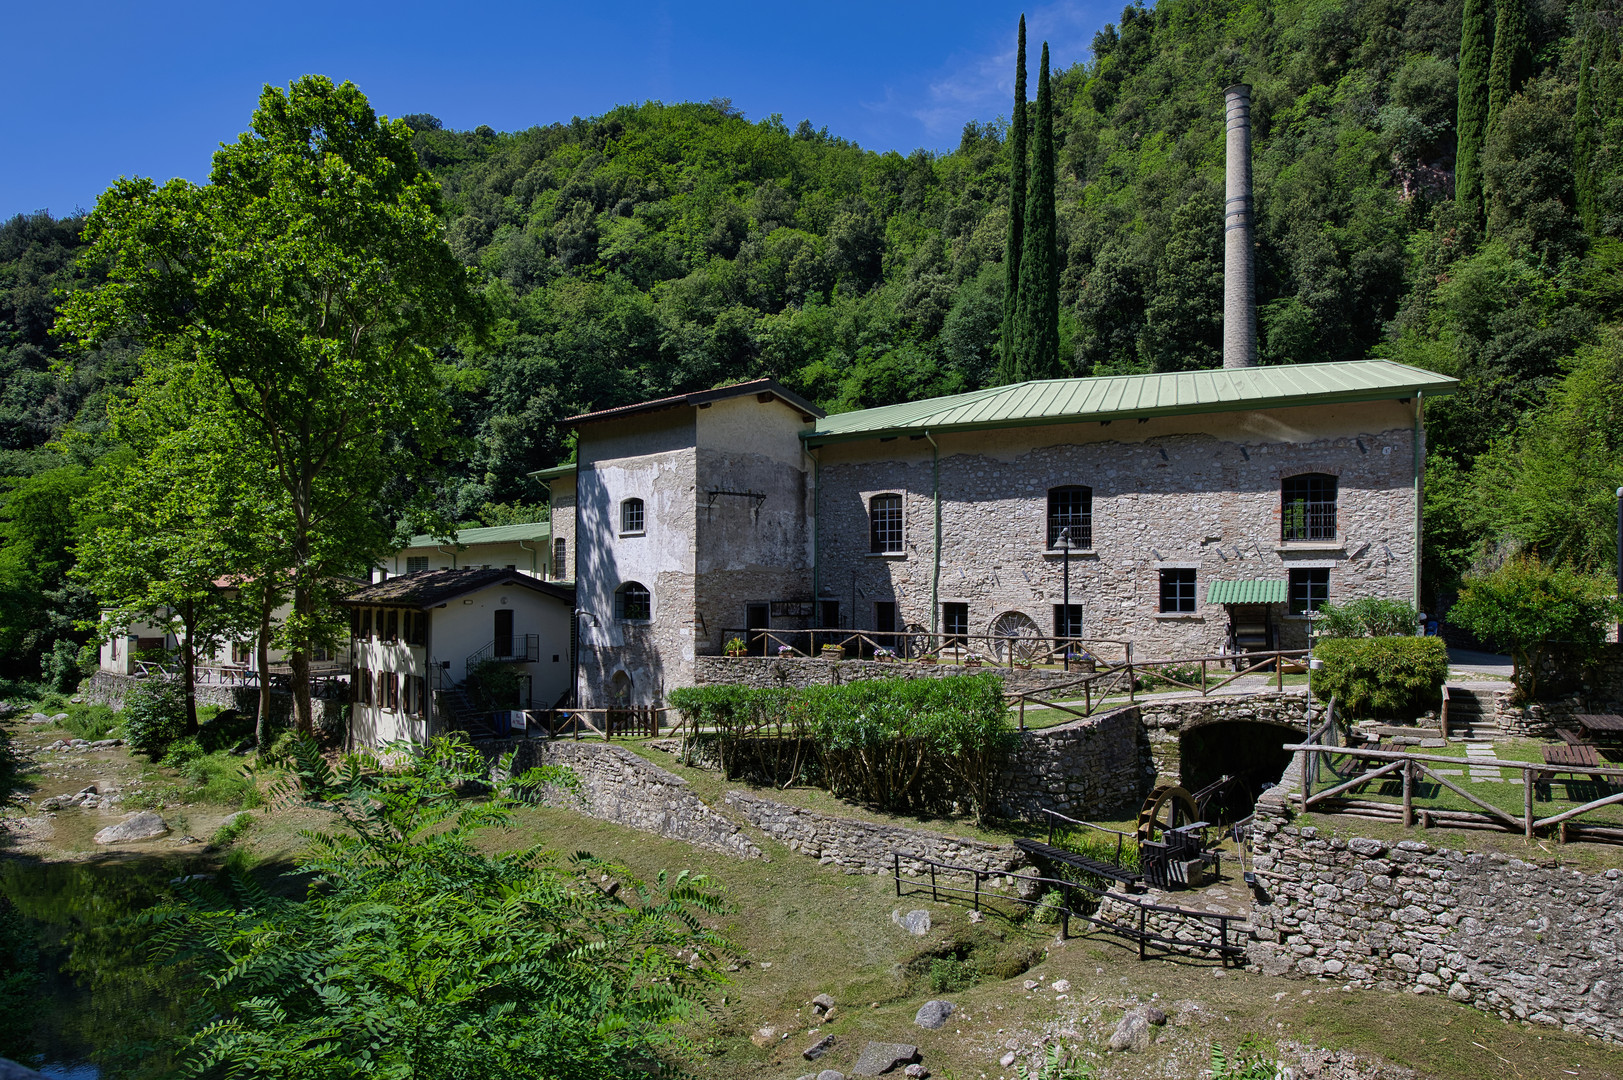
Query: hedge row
[1381,677]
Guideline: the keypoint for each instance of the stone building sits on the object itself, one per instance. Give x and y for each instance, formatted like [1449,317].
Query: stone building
[1195,513]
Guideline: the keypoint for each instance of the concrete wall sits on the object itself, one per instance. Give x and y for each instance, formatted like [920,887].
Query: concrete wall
[1190,491]
[1525,942]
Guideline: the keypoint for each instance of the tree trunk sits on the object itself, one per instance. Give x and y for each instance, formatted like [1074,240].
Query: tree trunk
[299,660]
[188,659]
[262,658]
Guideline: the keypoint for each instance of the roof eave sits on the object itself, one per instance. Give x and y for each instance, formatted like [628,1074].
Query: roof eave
[814,439]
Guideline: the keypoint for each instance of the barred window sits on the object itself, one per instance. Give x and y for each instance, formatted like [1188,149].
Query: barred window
[560,560]
[1308,507]
[1309,589]
[885,523]
[1070,517]
[631,516]
[416,564]
[1178,590]
[633,602]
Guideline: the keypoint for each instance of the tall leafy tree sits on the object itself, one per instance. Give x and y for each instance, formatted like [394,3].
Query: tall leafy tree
[1471,127]
[1037,305]
[1598,124]
[1512,55]
[312,276]
[1017,212]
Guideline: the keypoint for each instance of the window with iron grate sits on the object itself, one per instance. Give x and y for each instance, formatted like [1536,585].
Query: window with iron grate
[885,524]
[1307,507]
[1070,517]
[633,602]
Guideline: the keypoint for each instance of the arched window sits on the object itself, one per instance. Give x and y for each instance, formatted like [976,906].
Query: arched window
[633,602]
[1070,517]
[631,516]
[885,523]
[560,560]
[1308,507]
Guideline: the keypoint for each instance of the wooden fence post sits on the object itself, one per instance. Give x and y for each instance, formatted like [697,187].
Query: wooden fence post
[1279,671]
[1022,712]
[1527,800]
[1408,794]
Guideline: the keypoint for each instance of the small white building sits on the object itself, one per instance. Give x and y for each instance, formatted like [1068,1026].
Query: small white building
[415,640]
[525,548]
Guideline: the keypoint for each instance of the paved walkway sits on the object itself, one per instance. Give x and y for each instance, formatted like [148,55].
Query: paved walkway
[1464,664]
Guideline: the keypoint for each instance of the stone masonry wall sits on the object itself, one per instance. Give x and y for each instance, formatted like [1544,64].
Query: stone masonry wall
[108,688]
[1522,941]
[1087,768]
[867,847]
[1165,720]
[617,785]
[800,672]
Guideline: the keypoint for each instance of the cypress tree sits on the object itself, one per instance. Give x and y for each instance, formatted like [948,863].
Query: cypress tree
[1471,126]
[1017,211]
[1037,310]
[1512,56]
[1598,129]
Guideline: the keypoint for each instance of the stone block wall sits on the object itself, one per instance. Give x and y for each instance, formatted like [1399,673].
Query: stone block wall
[617,785]
[1087,768]
[1165,719]
[1522,941]
[800,672]
[867,847]
[108,688]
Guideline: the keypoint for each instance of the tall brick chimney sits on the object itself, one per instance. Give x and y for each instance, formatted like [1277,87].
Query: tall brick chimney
[1239,252]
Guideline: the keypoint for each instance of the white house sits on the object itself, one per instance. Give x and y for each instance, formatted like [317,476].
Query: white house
[525,548]
[415,640]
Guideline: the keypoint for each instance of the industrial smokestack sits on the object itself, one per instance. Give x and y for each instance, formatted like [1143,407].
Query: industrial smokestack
[1239,269]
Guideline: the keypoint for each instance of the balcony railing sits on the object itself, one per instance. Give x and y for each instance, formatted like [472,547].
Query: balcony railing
[1304,520]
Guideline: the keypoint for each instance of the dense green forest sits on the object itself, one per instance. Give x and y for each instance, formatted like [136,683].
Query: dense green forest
[660,248]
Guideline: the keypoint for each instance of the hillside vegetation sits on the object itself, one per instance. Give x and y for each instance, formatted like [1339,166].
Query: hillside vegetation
[660,248]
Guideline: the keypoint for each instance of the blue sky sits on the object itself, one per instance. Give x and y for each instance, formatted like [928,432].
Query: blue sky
[94,91]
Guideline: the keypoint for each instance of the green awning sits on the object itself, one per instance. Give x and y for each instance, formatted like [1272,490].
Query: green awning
[1246,592]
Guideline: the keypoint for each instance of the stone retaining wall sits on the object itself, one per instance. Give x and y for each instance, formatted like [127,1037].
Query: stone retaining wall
[867,847]
[107,688]
[1523,941]
[1194,934]
[772,672]
[1165,719]
[1088,768]
[617,785]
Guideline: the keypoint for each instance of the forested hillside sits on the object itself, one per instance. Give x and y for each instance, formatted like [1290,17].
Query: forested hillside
[663,248]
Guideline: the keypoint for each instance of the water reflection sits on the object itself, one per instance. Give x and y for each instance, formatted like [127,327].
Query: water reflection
[97,1009]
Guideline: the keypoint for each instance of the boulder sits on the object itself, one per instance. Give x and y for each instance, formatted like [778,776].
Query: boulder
[818,1048]
[933,1014]
[822,1003]
[915,1072]
[142,825]
[59,717]
[1062,986]
[1132,1034]
[1154,1014]
[916,922]
[39,718]
[878,1058]
[830,1074]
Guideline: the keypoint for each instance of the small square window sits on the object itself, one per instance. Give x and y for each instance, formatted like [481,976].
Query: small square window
[1067,621]
[955,623]
[1310,589]
[1177,590]
[416,564]
[632,516]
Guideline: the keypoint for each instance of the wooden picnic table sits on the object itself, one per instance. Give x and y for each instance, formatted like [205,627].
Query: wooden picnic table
[1572,738]
[1576,758]
[1609,725]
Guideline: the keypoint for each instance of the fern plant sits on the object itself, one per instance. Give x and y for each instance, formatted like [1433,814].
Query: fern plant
[1057,1065]
[414,954]
[1251,1061]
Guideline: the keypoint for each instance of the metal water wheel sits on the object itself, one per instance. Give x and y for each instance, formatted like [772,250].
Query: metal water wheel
[1166,808]
[1016,637]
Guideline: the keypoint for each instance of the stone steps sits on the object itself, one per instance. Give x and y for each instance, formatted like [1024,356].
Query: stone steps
[1471,714]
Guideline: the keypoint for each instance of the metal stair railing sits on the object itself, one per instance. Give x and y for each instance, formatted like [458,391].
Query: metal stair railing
[523,648]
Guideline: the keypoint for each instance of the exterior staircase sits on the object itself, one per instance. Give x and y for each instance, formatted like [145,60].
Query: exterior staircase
[457,712]
[1471,715]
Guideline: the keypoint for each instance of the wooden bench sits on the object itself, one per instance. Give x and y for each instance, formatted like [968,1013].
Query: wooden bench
[1040,850]
[1572,738]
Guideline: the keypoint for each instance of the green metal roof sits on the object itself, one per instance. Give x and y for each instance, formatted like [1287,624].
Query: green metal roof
[495,534]
[1110,397]
[554,472]
[1246,592]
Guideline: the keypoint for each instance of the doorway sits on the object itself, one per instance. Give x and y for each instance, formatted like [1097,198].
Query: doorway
[757,619]
[504,632]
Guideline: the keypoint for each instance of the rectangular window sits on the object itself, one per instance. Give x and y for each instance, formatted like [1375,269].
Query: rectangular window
[885,523]
[366,623]
[1307,508]
[363,685]
[631,516]
[419,628]
[560,560]
[1310,589]
[1070,518]
[1178,590]
[416,564]
[1067,621]
[955,623]
[884,616]
[394,626]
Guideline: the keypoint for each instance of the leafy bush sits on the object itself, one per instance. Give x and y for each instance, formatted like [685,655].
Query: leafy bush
[1527,608]
[1048,907]
[949,975]
[225,730]
[181,752]
[1368,616]
[65,665]
[589,984]
[220,778]
[154,716]
[227,834]
[1157,677]
[494,685]
[1398,677]
[90,721]
[899,744]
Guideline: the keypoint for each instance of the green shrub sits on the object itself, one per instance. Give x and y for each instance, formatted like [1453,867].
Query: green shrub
[64,665]
[181,752]
[1253,1060]
[221,778]
[225,730]
[1367,617]
[1048,907]
[1398,677]
[91,721]
[154,716]
[227,834]
[948,975]
[494,685]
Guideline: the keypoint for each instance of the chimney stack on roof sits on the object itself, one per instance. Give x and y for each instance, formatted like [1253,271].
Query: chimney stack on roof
[1239,252]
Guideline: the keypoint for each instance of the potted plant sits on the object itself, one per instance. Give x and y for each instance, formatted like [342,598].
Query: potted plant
[735,647]
[884,655]
[1082,661]
[833,652]
[973,660]
[785,651]
[927,658]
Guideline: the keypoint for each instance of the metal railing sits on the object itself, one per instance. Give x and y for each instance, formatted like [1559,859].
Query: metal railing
[1068,909]
[323,678]
[1070,822]
[1309,520]
[518,649]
